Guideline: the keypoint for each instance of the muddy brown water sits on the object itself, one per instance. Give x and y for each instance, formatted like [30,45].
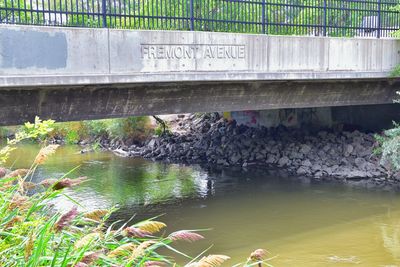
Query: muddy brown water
[302,224]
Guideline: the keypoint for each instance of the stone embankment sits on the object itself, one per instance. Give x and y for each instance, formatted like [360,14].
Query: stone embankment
[214,140]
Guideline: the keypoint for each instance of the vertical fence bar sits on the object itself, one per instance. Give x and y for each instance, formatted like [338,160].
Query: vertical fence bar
[104,12]
[263,17]
[191,7]
[325,17]
[12,12]
[378,35]
[159,5]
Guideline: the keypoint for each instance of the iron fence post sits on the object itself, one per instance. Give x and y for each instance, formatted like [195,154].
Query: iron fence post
[263,17]
[191,15]
[325,19]
[379,20]
[104,12]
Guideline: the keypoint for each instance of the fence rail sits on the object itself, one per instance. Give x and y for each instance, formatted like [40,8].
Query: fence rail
[344,18]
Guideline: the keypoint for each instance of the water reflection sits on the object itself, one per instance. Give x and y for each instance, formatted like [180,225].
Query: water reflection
[120,181]
[391,235]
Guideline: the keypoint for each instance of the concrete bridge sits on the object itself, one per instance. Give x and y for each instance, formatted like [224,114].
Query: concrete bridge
[81,73]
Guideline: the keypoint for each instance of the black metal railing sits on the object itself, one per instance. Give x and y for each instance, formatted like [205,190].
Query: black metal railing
[344,18]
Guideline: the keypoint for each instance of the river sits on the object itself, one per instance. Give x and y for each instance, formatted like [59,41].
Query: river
[301,223]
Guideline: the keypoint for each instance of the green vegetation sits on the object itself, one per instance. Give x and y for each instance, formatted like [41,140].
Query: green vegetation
[395,72]
[136,128]
[37,130]
[390,147]
[280,16]
[162,127]
[32,233]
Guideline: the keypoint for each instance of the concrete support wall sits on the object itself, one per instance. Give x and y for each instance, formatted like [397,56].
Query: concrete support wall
[292,117]
[33,55]
[371,117]
[364,117]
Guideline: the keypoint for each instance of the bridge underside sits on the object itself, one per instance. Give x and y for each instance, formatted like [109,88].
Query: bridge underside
[67,103]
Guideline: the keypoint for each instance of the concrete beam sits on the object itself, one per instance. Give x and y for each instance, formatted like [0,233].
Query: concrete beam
[20,104]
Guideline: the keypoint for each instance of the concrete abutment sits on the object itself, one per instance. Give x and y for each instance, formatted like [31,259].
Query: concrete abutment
[369,118]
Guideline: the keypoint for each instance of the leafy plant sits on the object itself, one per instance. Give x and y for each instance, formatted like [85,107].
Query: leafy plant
[390,147]
[162,127]
[395,72]
[72,137]
[132,127]
[37,130]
